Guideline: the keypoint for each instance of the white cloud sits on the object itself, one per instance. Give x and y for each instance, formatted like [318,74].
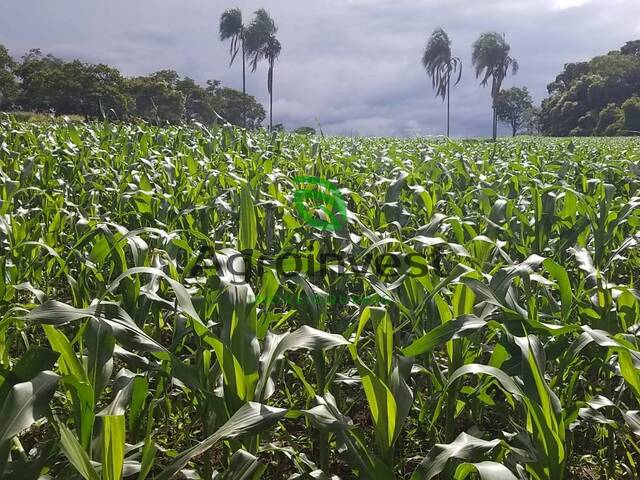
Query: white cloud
[564,4]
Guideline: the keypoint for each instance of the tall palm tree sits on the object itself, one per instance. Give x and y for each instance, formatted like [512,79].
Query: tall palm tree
[232,28]
[441,66]
[271,51]
[492,61]
[263,44]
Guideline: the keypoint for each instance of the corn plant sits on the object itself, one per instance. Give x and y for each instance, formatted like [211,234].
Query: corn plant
[216,303]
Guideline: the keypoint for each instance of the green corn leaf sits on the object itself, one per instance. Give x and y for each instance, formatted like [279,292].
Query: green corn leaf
[235,379]
[122,390]
[239,332]
[486,471]
[248,237]
[305,338]
[252,417]
[382,404]
[182,296]
[561,277]
[242,466]
[326,416]
[68,361]
[437,337]
[35,360]
[100,344]
[26,403]
[122,325]
[464,447]
[76,454]
[148,457]
[113,440]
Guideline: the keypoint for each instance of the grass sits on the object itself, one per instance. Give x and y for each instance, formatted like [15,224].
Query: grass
[168,305]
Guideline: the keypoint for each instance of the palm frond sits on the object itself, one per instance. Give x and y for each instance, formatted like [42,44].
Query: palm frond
[438,62]
[231,28]
[491,60]
[257,35]
[456,64]
[230,23]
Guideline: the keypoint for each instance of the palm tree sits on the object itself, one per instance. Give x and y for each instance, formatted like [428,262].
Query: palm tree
[263,44]
[271,51]
[231,28]
[491,56]
[440,66]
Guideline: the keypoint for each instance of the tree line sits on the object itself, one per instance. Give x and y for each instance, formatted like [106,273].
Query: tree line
[47,84]
[598,97]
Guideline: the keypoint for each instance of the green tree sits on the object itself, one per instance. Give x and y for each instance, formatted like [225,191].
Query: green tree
[587,124]
[170,77]
[440,66]
[104,92]
[513,106]
[492,61]
[263,44]
[8,83]
[199,103]
[631,48]
[305,131]
[232,29]
[39,77]
[571,72]
[239,109]
[631,109]
[49,83]
[583,91]
[610,121]
[155,99]
[532,122]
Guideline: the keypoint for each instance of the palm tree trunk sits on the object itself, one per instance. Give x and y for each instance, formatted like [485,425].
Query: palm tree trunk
[448,105]
[244,87]
[270,82]
[244,80]
[495,122]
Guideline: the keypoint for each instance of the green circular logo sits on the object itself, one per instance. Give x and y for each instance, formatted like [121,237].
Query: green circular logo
[325,196]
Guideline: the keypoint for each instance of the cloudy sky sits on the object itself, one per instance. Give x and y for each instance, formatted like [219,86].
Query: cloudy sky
[352,66]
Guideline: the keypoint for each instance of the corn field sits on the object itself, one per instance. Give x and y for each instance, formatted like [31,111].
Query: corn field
[172,305]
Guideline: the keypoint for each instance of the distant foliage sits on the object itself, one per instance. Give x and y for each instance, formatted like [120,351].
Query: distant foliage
[8,83]
[49,85]
[233,105]
[598,97]
[631,111]
[305,131]
[514,107]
